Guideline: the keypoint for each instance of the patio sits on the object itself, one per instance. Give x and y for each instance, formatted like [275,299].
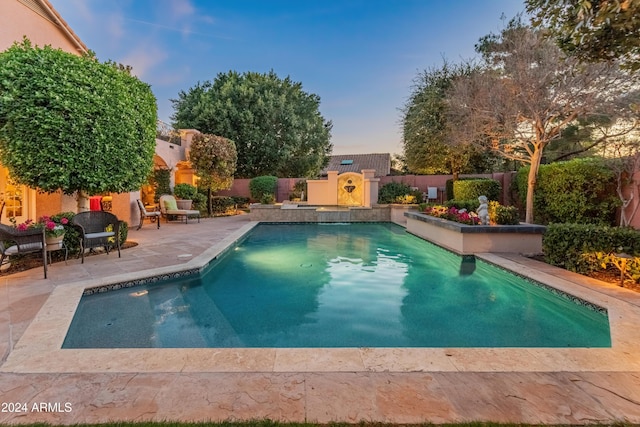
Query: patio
[568,386]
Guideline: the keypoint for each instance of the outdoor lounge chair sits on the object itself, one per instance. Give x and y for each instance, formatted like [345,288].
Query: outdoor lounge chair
[27,241]
[169,207]
[144,213]
[97,229]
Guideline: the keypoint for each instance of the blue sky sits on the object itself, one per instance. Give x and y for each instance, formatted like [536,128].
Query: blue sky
[359,56]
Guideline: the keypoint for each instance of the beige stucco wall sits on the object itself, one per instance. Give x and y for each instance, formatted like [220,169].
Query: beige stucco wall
[18,20]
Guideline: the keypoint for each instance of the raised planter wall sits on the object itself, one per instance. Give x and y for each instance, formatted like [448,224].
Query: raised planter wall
[470,239]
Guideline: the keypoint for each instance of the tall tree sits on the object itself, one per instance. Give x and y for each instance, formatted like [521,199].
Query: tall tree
[528,92]
[592,30]
[214,160]
[277,127]
[74,124]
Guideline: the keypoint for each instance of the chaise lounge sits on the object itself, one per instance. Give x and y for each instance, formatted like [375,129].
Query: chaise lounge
[169,207]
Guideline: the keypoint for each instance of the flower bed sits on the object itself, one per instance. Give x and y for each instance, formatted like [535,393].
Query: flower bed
[470,239]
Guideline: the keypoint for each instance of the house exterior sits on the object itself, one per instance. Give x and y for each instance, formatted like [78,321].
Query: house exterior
[42,25]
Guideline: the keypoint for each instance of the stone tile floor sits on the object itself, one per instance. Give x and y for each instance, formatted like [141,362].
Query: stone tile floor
[568,386]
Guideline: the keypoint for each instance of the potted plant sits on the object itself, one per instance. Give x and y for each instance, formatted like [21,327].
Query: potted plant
[185,193]
[53,229]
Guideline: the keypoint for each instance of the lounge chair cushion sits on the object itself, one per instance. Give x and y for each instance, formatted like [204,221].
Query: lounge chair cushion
[170,204]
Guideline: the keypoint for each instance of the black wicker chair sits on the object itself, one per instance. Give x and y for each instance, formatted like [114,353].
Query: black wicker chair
[97,229]
[15,242]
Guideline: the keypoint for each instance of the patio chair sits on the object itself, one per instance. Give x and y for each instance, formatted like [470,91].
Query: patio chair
[144,213]
[169,207]
[97,229]
[27,241]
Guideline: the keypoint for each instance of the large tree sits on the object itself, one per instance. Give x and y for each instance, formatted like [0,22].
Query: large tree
[424,126]
[214,160]
[592,30]
[528,92]
[277,127]
[74,124]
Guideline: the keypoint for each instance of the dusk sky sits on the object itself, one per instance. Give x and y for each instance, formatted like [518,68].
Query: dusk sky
[359,56]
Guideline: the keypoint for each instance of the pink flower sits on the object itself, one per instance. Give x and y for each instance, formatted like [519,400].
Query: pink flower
[64,221]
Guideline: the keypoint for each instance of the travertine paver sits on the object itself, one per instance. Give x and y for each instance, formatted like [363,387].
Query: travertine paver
[392,385]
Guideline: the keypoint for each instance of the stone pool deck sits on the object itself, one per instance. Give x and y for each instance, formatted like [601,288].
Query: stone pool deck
[566,386]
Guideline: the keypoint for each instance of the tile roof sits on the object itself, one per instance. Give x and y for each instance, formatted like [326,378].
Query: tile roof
[381,162]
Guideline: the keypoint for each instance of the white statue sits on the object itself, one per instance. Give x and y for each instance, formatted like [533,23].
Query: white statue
[483,210]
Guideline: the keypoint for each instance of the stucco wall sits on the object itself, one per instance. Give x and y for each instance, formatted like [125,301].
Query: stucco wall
[17,21]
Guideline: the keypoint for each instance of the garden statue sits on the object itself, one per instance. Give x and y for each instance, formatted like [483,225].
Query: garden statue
[483,210]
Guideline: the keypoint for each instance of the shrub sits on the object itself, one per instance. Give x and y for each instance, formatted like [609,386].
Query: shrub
[566,245]
[124,231]
[448,187]
[240,201]
[223,205]
[473,188]
[263,185]
[268,199]
[161,182]
[505,215]
[200,201]
[185,191]
[577,191]
[397,192]
[71,234]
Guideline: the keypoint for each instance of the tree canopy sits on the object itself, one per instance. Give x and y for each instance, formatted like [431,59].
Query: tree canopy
[528,92]
[72,123]
[424,126]
[593,30]
[276,126]
[214,160]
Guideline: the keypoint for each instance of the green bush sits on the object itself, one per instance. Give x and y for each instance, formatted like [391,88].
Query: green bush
[124,232]
[223,205]
[71,234]
[263,185]
[577,191]
[185,191]
[397,192]
[448,187]
[469,189]
[161,182]
[240,201]
[268,199]
[565,245]
[200,201]
[505,215]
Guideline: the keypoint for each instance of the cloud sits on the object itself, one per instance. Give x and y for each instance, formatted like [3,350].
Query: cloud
[143,58]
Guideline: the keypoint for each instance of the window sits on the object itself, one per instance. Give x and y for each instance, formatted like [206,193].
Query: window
[346,162]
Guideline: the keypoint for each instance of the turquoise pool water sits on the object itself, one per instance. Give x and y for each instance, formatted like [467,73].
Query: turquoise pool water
[344,285]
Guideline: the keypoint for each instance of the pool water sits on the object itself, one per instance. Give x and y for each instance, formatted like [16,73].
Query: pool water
[338,285]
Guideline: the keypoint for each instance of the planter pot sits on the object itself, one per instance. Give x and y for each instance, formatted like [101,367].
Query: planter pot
[471,239]
[54,243]
[184,204]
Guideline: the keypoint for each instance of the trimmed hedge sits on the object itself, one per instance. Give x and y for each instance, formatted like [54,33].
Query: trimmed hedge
[448,187]
[261,187]
[577,191]
[469,189]
[565,245]
[397,192]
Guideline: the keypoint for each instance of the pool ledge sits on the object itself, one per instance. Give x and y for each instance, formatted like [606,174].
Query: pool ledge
[39,349]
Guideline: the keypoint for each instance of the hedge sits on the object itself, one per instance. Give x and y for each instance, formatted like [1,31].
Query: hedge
[261,187]
[396,192]
[566,245]
[577,191]
[469,189]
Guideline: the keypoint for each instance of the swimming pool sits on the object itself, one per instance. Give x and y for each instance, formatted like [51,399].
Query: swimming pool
[349,285]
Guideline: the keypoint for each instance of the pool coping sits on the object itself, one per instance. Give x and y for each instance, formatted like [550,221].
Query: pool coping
[39,349]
